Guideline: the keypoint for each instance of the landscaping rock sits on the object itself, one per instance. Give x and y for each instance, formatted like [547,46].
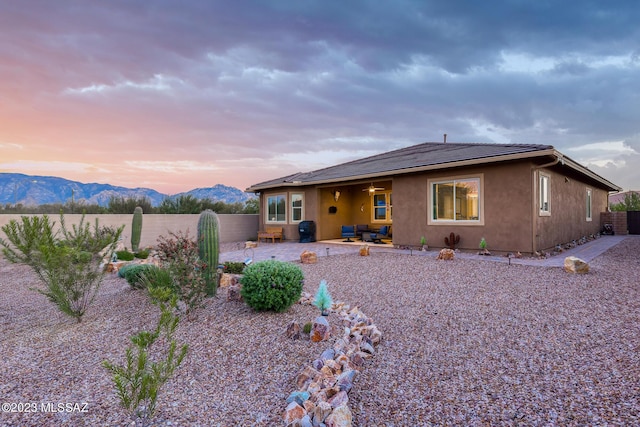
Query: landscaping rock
[340,417]
[306,421]
[328,354]
[345,380]
[321,330]
[306,376]
[293,412]
[575,265]
[446,254]
[294,331]
[233,292]
[321,412]
[228,279]
[308,257]
[299,397]
[339,399]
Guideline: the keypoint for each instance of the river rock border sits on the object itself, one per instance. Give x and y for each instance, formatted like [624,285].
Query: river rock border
[322,388]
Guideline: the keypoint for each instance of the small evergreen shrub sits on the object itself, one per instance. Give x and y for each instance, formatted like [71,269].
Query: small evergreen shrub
[271,285]
[307,328]
[123,270]
[125,255]
[142,254]
[159,284]
[232,267]
[135,273]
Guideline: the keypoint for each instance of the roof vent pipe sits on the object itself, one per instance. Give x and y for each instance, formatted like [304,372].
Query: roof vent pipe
[445,138]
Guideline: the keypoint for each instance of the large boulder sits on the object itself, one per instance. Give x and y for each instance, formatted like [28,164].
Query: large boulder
[446,254]
[364,250]
[308,257]
[574,264]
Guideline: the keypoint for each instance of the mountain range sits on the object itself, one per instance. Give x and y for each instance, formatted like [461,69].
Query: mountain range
[33,190]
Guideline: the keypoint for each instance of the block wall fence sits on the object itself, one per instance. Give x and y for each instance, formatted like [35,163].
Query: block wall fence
[618,219]
[233,228]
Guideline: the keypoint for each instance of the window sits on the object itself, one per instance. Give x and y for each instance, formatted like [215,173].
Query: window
[297,212]
[545,192]
[276,208]
[456,200]
[381,207]
[589,218]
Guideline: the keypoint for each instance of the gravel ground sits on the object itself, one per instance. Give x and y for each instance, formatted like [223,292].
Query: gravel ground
[465,342]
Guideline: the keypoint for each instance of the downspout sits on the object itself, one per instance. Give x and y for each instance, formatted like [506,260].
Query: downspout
[534,196]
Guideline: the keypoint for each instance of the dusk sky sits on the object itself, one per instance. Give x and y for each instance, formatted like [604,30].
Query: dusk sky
[175,95]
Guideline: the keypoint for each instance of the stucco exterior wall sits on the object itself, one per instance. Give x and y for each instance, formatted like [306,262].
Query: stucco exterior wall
[510,218]
[568,218]
[233,228]
[506,210]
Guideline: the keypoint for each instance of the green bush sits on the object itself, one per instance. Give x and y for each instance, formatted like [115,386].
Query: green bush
[150,363]
[157,281]
[68,261]
[123,269]
[307,328]
[135,272]
[271,285]
[142,254]
[179,255]
[125,255]
[232,267]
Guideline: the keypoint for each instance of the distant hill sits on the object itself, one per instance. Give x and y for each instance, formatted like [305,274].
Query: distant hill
[33,190]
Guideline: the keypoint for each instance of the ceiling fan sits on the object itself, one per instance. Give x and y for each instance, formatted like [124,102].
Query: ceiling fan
[372,189]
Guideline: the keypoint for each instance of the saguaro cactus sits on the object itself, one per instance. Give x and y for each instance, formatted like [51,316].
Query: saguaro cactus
[209,247]
[136,229]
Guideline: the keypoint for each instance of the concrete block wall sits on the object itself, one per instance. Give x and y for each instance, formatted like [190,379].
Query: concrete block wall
[618,219]
[233,228]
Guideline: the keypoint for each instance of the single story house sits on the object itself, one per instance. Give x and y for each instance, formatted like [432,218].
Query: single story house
[519,197]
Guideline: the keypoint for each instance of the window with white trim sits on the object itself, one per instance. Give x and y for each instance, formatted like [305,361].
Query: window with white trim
[456,200]
[589,216]
[381,206]
[297,207]
[276,208]
[545,194]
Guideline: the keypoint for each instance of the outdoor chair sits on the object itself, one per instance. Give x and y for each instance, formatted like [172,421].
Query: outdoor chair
[348,231]
[382,234]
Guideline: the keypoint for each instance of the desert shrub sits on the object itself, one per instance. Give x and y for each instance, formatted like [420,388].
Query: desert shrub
[159,279]
[271,285]
[142,254]
[134,274]
[307,328]
[67,262]
[233,267]
[179,256]
[150,362]
[123,269]
[125,255]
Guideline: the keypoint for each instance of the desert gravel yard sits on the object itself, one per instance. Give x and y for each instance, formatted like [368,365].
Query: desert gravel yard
[465,342]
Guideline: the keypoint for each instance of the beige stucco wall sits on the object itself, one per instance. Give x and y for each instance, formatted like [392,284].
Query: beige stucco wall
[511,221]
[506,210]
[233,228]
[568,209]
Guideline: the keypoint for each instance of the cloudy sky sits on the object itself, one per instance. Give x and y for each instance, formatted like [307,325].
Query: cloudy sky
[174,95]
